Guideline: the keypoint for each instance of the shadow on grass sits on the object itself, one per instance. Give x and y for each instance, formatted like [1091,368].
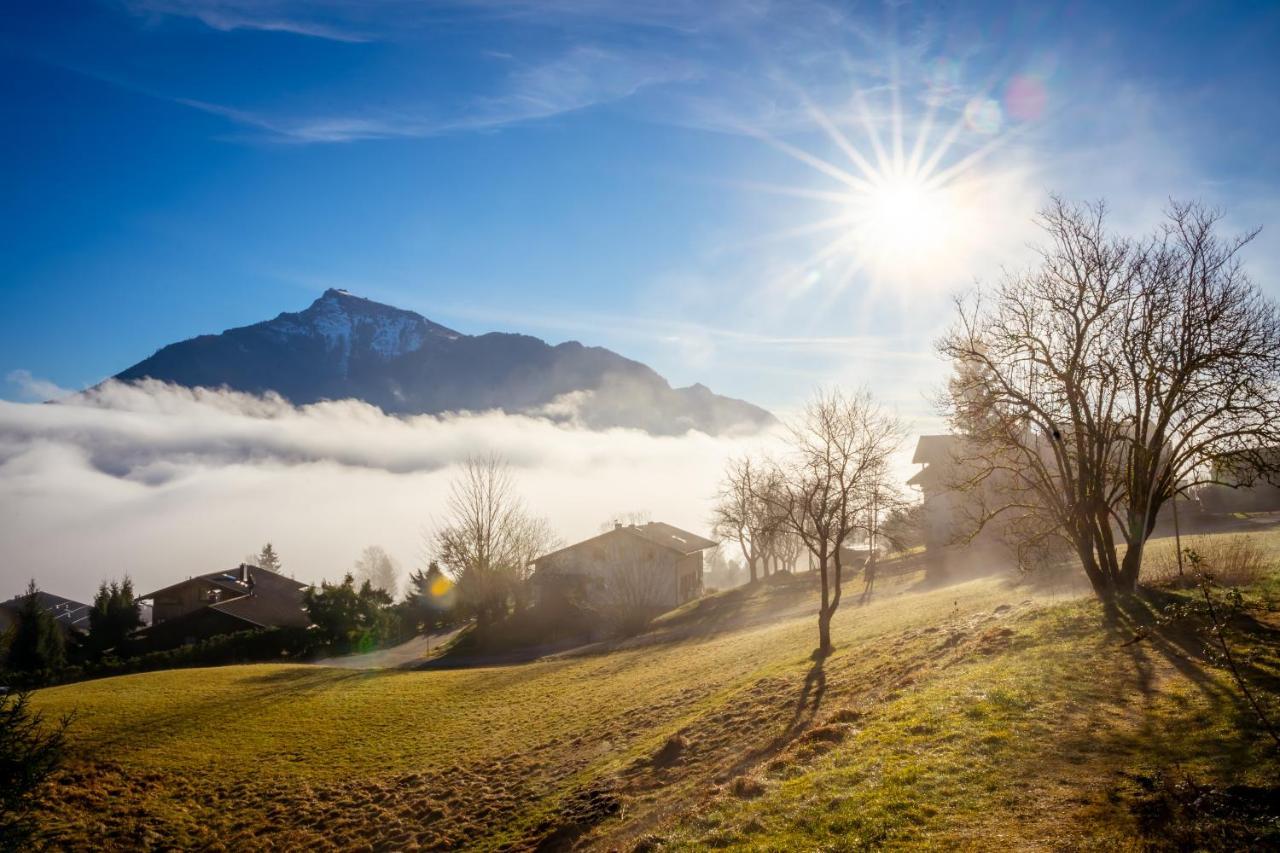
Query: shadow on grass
[1183,643]
[227,709]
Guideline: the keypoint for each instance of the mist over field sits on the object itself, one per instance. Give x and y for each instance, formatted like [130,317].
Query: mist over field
[160,482]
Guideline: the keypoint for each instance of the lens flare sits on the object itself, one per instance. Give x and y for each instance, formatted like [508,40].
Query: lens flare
[1025,98]
[983,115]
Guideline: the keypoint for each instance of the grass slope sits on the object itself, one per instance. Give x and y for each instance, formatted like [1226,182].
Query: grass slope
[973,716]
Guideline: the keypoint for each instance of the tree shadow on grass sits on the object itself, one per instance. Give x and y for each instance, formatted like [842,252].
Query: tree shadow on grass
[806,709]
[227,709]
[1181,642]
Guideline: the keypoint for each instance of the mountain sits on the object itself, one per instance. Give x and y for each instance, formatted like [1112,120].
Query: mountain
[345,346]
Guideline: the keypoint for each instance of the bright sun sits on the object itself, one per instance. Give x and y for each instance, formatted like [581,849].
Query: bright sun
[902,222]
[903,216]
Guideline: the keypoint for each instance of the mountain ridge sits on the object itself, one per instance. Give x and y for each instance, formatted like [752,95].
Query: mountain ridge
[347,346]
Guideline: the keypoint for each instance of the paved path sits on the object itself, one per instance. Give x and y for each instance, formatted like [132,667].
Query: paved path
[408,654]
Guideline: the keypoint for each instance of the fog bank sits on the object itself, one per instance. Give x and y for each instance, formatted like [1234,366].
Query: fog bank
[164,482]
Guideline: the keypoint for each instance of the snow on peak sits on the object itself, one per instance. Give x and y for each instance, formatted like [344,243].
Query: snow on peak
[349,323]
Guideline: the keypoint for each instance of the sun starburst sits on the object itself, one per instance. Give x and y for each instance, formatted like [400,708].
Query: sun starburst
[903,208]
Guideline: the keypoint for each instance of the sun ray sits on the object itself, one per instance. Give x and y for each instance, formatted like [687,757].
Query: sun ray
[873,135]
[843,143]
[922,138]
[815,162]
[832,196]
[816,227]
[970,160]
[944,146]
[911,195]
[895,101]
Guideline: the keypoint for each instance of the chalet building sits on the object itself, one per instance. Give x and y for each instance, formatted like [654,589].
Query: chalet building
[70,615]
[936,453]
[950,513]
[1242,485]
[654,564]
[241,599]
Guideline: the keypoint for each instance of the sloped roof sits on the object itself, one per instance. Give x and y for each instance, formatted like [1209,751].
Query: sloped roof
[274,601]
[670,536]
[659,533]
[68,613]
[932,448]
[230,581]
[269,600]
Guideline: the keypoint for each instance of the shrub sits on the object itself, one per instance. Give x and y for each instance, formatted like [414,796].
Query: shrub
[29,752]
[1234,561]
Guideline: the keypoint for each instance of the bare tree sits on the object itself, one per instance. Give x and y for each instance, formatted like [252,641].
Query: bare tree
[376,566]
[532,538]
[634,517]
[840,449]
[1115,375]
[489,538]
[738,514]
[631,592]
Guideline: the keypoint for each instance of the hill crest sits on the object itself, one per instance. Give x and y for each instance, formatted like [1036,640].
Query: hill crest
[346,346]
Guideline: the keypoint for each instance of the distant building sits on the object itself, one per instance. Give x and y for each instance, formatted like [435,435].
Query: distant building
[70,615]
[935,482]
[1230,494]
[654,565]
[952,507]
[241,599]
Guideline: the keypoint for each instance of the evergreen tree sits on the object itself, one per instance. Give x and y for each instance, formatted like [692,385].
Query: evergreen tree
[37,644]
[268,559]
[430,599]
[350,616]
[29,752]
[115,615]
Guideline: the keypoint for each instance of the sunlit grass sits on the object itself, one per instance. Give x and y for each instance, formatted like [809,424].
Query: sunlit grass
[945,718]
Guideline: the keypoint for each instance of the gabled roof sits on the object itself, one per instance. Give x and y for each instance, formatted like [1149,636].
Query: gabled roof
[932,448]
[656,532]
[267,599]
[69,613]
[670,536]
[231,580]
[269,605]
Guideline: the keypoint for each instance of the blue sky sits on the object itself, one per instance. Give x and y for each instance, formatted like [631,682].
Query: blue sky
[640,176]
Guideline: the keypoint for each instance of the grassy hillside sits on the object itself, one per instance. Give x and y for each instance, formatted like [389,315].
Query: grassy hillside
[974,716]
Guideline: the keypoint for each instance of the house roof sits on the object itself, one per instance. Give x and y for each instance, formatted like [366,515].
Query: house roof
[656,532]
[269,605]
[68,613]
[231,580]
[932,448]
[269,599]
[670,536]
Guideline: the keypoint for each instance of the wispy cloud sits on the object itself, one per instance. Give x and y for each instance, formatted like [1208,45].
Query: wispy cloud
[368,20]
[33,388]
[265,15]
[579,79]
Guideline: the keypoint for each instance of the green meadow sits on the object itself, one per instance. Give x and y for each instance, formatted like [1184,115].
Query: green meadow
[990,714]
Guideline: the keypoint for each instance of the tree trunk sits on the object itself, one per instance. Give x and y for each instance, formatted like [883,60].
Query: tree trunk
[1131,568]
[1094,572]
[824,610]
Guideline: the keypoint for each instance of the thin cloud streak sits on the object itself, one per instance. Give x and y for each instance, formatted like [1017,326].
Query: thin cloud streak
[580,79]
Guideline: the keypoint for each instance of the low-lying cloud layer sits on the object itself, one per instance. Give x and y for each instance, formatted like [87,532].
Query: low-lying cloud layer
[163,482]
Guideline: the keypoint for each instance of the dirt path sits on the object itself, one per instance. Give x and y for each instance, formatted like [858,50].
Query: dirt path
[404,656]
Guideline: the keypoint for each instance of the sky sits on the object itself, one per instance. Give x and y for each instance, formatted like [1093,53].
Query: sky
[759,196]
[624,174]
